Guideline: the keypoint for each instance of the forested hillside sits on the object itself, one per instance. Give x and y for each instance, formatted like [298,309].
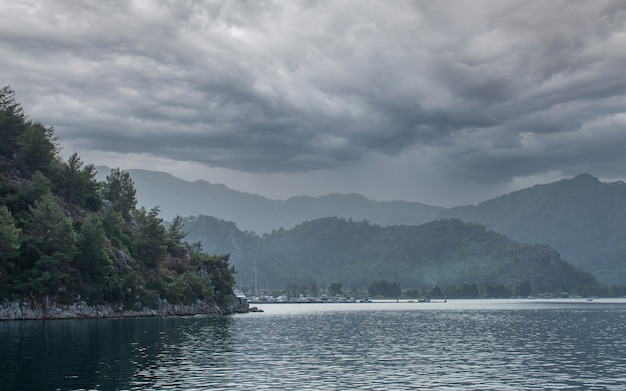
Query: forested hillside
[66,237]
[449,254]
[582,217]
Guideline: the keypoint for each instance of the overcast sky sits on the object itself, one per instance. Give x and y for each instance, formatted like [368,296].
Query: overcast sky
[441,102]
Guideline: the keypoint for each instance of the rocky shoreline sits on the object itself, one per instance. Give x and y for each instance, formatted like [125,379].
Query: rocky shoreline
[47,309]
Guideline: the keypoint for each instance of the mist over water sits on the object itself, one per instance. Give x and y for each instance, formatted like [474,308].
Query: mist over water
[468,344]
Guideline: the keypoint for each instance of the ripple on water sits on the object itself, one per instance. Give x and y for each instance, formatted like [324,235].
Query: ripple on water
[525,349]
[468,345]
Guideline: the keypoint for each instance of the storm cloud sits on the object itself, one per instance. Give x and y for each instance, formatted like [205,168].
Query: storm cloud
[442,94]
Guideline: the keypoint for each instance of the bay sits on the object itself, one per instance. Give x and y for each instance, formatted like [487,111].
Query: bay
[568,344]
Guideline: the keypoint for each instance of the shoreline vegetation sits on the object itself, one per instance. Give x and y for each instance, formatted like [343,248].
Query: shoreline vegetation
[73,247]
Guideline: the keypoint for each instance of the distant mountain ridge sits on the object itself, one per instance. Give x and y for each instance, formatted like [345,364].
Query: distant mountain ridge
[256,213]
[583,218]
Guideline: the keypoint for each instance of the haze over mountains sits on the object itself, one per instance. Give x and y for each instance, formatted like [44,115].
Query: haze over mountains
[256,213]
[583,218]
[452,254]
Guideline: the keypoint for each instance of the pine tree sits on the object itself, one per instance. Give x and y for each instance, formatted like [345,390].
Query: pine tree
[51,245]
[12,122]
[37,149]
[115,227]
[175,237]
[77,184]
[150,240]
[92,260]
[119,188]
[92,264]
[9,236]
[50,228]
[9,250]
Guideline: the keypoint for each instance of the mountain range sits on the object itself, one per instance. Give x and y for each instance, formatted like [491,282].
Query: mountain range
[446,253]
[581,217]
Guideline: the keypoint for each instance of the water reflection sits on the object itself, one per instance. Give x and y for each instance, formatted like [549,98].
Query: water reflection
[95,353]
[187,354]
[373,347]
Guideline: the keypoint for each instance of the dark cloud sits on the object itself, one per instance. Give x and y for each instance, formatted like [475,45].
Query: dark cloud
[493,90]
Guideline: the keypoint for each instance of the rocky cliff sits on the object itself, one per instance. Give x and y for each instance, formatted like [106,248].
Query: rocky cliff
[47,309]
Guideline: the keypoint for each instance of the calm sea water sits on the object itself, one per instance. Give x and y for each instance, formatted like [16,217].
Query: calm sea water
[458,345]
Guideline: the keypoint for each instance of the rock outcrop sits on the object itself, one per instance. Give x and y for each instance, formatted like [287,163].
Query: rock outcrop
[46,309]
